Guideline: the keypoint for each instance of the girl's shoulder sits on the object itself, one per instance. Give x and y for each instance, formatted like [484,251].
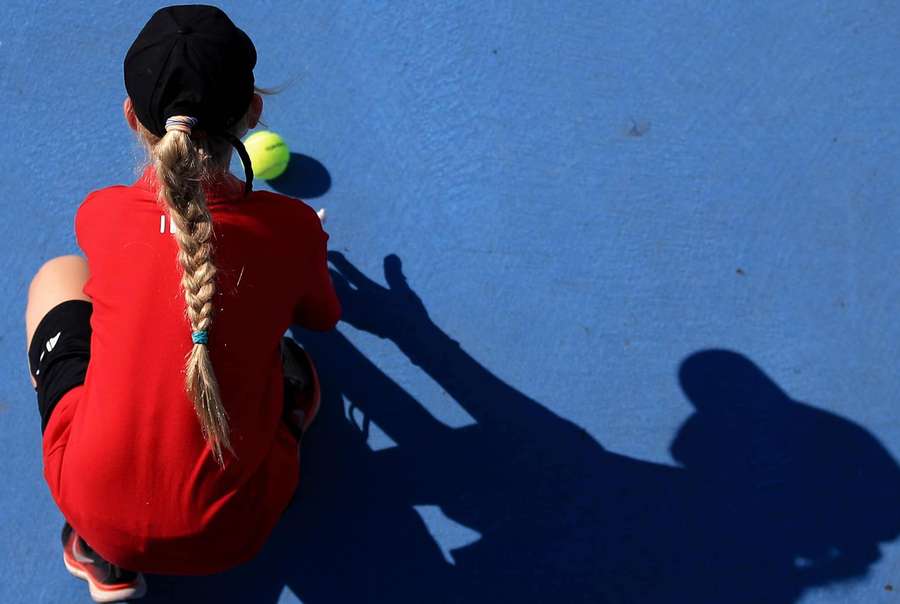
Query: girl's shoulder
[297,211]
[142,189]
[104,196]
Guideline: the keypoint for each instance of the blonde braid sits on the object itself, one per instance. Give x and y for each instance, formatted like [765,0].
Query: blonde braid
[181,167]
[182,163]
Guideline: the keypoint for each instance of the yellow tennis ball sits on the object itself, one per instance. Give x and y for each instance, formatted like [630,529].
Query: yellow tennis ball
[269,154]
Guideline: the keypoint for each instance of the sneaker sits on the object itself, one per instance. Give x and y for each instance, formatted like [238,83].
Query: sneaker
[107,582]
[303,395]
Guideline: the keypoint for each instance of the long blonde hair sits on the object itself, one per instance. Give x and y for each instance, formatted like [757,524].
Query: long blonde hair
[183,164]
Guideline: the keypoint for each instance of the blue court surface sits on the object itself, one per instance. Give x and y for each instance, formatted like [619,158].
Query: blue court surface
[621,285]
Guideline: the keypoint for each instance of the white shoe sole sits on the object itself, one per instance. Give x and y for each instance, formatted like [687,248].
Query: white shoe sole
[108,595]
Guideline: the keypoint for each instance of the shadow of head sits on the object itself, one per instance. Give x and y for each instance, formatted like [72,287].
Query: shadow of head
[803,483]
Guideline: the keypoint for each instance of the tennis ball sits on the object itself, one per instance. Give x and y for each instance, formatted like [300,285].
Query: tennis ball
[269,154]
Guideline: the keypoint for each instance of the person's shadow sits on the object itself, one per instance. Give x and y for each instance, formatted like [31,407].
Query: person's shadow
[771,496]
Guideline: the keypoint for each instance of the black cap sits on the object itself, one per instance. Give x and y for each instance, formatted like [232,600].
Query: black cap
[192,60]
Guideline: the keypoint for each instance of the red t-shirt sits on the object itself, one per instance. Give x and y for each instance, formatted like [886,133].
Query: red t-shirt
[123,454]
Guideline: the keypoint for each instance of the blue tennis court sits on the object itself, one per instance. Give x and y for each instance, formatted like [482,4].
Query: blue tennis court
[620,291]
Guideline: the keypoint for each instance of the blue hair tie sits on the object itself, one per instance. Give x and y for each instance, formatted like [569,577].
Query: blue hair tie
[200,337]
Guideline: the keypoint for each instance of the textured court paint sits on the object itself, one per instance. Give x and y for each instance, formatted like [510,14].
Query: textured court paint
[583,194]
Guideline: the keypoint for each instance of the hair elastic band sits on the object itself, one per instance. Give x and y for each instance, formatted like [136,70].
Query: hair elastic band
[200,337]
[183,123]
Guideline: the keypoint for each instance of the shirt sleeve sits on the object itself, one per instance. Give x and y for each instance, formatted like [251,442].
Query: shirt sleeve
[318,308]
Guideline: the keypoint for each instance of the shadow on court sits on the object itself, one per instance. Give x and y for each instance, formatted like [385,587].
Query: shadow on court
[305,177]
[772,496]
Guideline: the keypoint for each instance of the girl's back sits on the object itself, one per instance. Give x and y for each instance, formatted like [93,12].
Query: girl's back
[124,454]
